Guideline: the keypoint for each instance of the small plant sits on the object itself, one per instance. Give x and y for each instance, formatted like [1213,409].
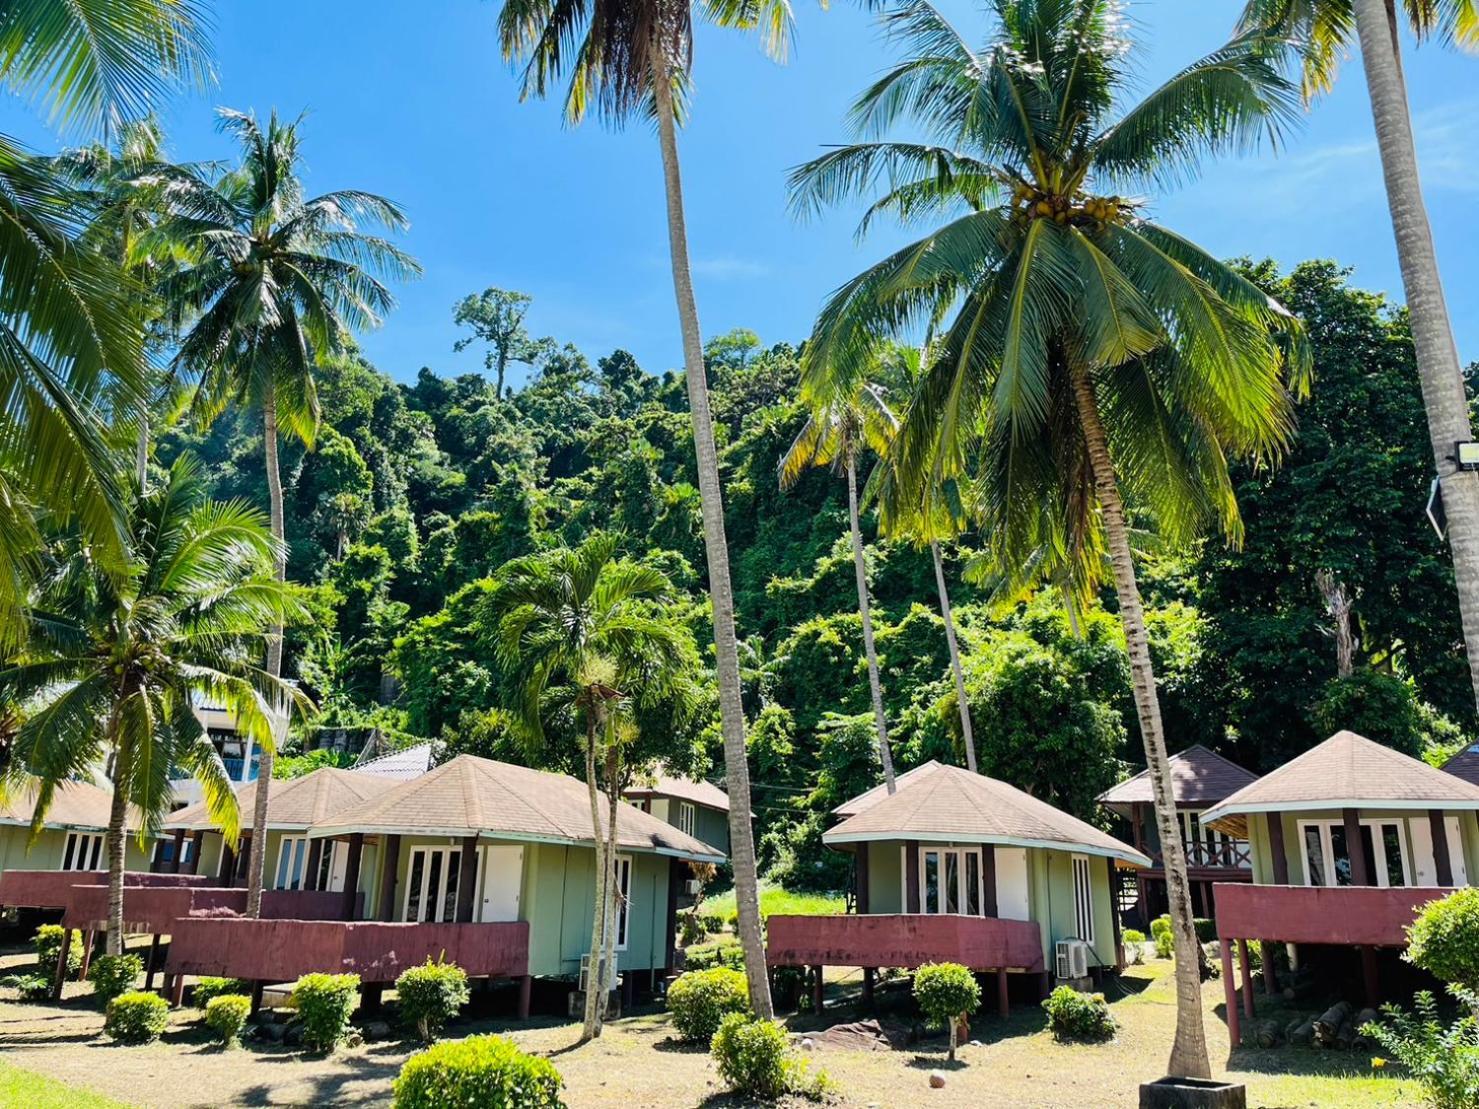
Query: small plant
[226,1015]
[136,1017]
[430,996]
[755,1060]
[947,993]
[1444,1059]
[1444,939]
[700,1000]
[484,1071]
[324,1002]
[1165,942]
[1134,946]
[1075,1016]
[114,975]
[48,947]
[34,987]
[207,988]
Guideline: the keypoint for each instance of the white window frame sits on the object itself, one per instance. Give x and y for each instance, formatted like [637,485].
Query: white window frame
[294,851]
[441,884]
[961,853]
[84,847]
[624,903]
[687,817]
[1083,898]
[1327,851]
[186,851]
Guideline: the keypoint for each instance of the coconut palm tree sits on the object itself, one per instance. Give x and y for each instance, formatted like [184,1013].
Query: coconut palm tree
[589,641]
[67,329]
[277,282]
[634,60]
[114,667]
[1084,352]
[1320,32]
[836,434]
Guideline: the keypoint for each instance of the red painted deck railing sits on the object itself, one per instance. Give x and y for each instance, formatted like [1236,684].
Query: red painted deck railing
[52,889]
[903,940]
[155,910]
[1358,915]
[282,950]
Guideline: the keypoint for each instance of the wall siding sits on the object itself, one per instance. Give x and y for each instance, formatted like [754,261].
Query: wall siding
[50,846]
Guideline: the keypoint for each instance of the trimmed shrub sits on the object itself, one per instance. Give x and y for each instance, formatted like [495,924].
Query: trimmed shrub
[226,1015]
[1078,1016]
[430,996]
[755,1060]
[700,1000]
[1165,943]
[207,988]
[946,992]
[324,1002]
[114,975]
[49,946]
[1444,939]
[1134,946]
[136,1017]
[486,1071]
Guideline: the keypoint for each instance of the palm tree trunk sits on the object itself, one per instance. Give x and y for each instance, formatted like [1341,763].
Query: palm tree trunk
[726,652]
[594,977]
[608,862]
[949,616]
[117,845]
[1189,1050]
[257,864]
[1437,356]
[860,570]
[141,449]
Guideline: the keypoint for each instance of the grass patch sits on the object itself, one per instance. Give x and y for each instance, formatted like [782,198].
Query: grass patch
[774,899]
[35,1091]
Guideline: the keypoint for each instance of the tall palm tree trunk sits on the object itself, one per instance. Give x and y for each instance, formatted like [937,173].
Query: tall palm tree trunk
[949,616]
[608,862]
[141,448]
[117,845]
[1437,355]
[595,977]
[257,864]
[860,571]
[1189,1050]
[726,652]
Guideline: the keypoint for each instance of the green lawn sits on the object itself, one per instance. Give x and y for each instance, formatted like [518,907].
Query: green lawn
[773,900]
[36,1091]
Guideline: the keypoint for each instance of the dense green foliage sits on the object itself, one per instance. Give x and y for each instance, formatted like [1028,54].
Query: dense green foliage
[486,1071]
[209,987]
[324,1002]
[1443,1057]
[1444,939]
[48,942]
[113,975]
[430,996]
[755,1060]
[226,1015]
[137,1017]
[1075,1016]
[700,999]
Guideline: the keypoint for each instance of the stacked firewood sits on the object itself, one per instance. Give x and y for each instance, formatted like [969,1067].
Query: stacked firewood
[1338,1028]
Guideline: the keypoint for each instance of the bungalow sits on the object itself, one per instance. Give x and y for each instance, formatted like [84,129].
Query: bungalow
[72,838]
[697,808]
[1200,778]
[960,867]
[1348,841]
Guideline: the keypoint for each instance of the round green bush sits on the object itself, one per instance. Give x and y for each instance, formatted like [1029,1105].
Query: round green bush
[114,975]
[226,1015]
[48,941]
[324,1002]
[484,1071]
[136,1018]
[752,1056]
[1444,939]
[1078,1016]
[946,992]
[430,996]
[700,999]
[207,988]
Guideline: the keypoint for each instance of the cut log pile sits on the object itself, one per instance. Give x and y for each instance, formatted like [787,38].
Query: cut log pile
[1338,1028]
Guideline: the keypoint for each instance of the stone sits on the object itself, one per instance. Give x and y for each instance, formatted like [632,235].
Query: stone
[377,1030]
[807,1045]
[937,1080]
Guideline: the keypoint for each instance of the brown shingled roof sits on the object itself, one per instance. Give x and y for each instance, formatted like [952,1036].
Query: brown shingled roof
[471,795]
[294,803]
[684,789]
[949,803]
[1465,765]
[1349,771]
[879,792]
[1198,775]
[74,805]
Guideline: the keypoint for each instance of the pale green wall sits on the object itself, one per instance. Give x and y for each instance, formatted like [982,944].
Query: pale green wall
[709,825]
[46,853]
[1263,866]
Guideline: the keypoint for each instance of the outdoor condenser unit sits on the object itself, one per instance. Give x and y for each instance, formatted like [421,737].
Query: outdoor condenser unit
[1072,959]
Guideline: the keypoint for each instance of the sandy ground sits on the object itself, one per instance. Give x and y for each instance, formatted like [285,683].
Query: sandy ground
[638,1064]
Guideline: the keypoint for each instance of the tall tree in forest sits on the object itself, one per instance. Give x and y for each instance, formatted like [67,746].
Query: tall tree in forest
[589,639]
[837,433]
[1084,353]
[633,62]
[114,667]
[496,317]
[277,283]
[1320,33]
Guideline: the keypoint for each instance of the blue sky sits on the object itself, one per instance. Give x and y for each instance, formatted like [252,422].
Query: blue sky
[414,101]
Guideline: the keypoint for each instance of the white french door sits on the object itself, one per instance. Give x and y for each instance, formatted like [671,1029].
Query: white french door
[431,885]
[950,881]
[500,878]
[1326,855]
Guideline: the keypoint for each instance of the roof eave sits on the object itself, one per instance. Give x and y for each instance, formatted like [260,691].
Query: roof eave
[1126,854]
[1218,812]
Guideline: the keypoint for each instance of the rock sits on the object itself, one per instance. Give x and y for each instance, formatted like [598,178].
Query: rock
[937,1080]
[377,1030]
[975,1043]
[807,1045]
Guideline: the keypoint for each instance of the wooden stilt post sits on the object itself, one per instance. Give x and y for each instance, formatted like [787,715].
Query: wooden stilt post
[1270,979]
[1230,993]
[526,988]
[88,939]
[257,995]
[1247,978]
[177,991]
[869,977]
[152,964]
[1370,977]
[61,965]
[1003,1007]
[816,989]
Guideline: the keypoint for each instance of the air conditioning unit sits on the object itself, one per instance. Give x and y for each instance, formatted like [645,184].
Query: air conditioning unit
[693,885]
[1071,959]
[585,972]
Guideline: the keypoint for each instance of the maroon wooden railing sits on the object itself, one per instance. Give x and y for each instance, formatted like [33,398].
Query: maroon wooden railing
[282,950]
[1357,915]
[154,910]
[903,940]
[1231,855]
[51,889]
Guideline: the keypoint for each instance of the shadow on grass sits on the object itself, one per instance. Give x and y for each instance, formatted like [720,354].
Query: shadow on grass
[674,1045]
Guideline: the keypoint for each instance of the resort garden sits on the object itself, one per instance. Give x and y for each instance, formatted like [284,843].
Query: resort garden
[1050,679]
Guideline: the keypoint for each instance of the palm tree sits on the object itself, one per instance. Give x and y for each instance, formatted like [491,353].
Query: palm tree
[836,433]
[113,668]
[634,60]
[277,283]
[1085,353]
[589,640]
[1320,32]
[67,329]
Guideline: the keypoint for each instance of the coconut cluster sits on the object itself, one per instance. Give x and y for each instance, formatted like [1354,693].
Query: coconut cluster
[1030,204]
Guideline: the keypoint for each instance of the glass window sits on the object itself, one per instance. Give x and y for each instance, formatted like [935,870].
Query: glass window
[687,817]
[1314,855]
[1083,899]
[931,897]
[973,883]
[952,882]
[292,854]
[413,885]
[1340,855]
[449,893]
[624,899]
[1391,842]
